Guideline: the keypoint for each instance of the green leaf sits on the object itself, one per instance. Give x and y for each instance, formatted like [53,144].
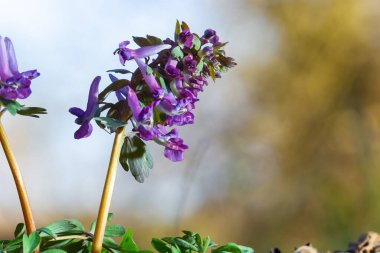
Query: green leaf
[11,106]
[196,43]
[212,72]
[20,230]
[109,217]
[92,227]
[61,226]
[245,249]
[136,157]
[120,71]
[111,244]
[206,243]
[162,83]
[177,30]
[177,53]
[220,46]
[31,242]
[141,41]
[48,232]
[14,245]
[184,244]
[149,70]
[229,247]
[200,65]
[109,122]
[31,111]
[79,226]
[154,40]
[117,85]
[160,246]
[127,243]
[198,240]
[175,249]
[188,233]
[114,231]
[54,251]
[184,26]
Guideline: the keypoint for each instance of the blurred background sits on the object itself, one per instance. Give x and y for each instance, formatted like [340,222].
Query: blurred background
[285,148]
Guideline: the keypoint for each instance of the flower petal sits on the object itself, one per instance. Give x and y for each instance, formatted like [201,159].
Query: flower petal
[133,102]
[84,131]
[143,52]
[12,62]
[92,98]
[76,111]
[150,80]
[173,155]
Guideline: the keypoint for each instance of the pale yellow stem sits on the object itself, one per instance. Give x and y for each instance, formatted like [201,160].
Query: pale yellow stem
[107,191]
[21,190]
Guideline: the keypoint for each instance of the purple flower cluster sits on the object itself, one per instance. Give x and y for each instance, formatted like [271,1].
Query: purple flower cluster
[163,91]
[13,84]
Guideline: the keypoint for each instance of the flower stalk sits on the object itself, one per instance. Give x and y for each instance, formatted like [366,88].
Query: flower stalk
[21,190]
[107,191]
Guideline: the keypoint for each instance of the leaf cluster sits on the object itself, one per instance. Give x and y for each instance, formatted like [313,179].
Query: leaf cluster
[69,236]
[14,107]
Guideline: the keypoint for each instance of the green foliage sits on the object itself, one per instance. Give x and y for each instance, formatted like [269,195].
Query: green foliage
[31,111]
[120,71]
[135,156]
[193,242]
[14,107]
[148,41]
[70,236]
[115,86]
[177,53]
[109,122]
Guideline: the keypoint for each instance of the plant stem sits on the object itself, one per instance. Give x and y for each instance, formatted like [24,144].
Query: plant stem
[21,190]
[107,191]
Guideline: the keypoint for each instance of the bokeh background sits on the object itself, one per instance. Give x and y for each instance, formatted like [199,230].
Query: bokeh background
[285,148]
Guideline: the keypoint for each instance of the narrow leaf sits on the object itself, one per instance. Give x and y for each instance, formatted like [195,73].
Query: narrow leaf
[120,71]
[177,30]
[109,122]
[160,246]
[127,243]
[20,230]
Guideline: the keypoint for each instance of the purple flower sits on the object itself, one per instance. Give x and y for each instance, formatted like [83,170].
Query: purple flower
[170,105]
[190,63]
[84,117]
[171,69]
[186,38]
[180,120]
[13,84]
[174,146]
[177,110]
[120,94]
[208,52]
[196,83]
[154,87]
[143,117]
[210,35]
[126,54]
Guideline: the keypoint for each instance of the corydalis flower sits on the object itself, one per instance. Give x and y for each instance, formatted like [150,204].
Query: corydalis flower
[143,118]
[84,117]
[186,38]
[126,54]
[174,146]
[13,84]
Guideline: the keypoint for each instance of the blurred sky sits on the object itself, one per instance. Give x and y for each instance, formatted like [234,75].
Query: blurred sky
[70,42]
